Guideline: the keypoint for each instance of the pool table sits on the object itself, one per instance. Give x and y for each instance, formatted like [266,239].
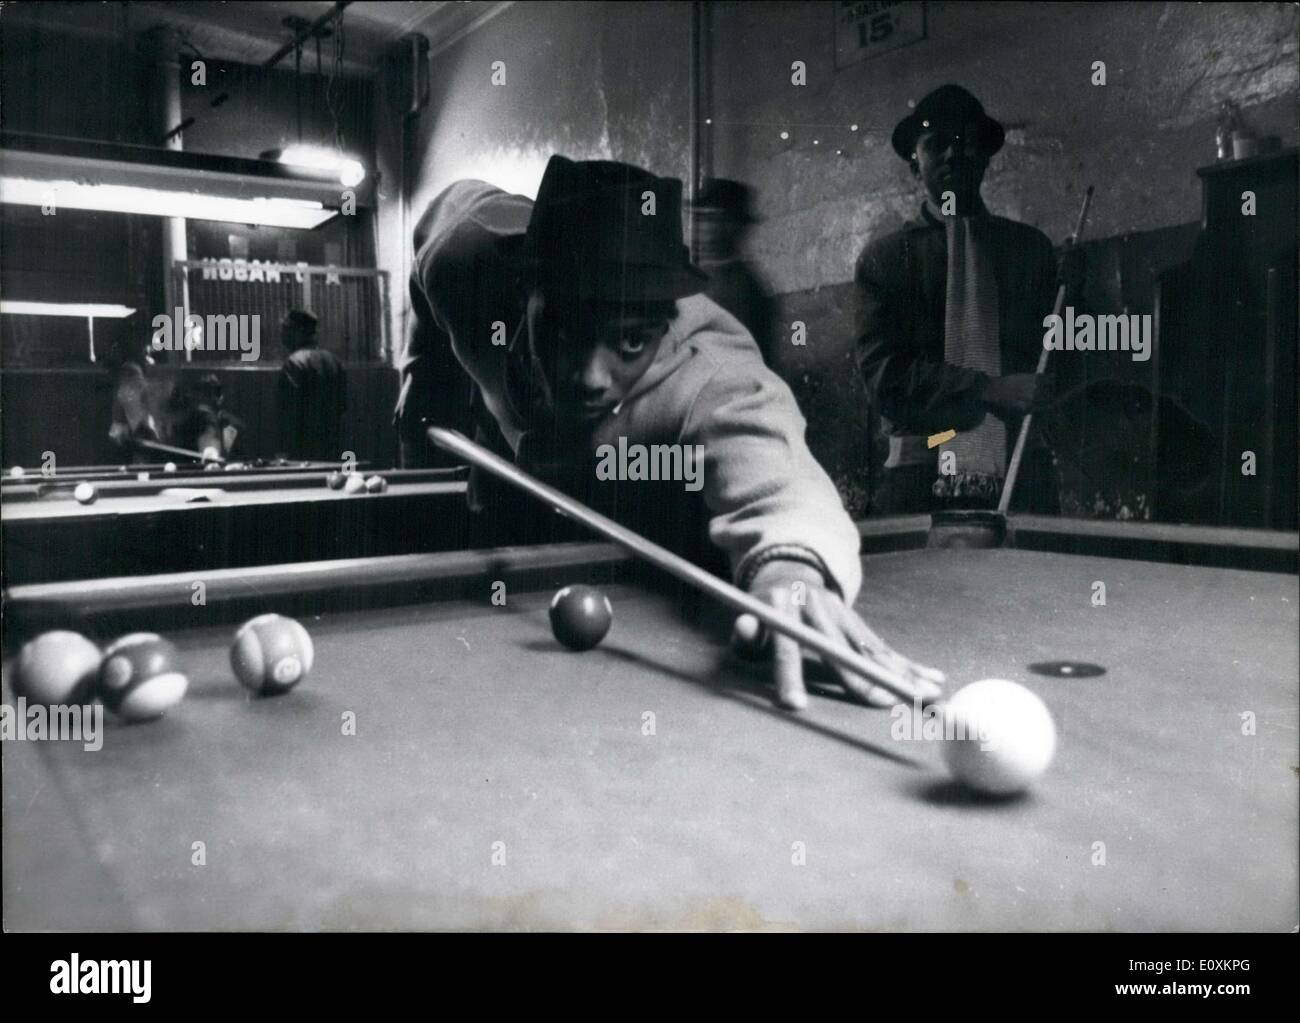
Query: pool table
[150,521]
[448,765]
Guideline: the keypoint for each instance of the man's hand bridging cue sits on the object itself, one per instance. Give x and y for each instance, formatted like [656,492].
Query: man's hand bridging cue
[799,590]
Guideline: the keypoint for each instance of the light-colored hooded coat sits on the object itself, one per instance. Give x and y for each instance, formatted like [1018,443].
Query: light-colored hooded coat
[767,497]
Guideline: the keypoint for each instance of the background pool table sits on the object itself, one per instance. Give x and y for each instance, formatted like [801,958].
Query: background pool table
[478,736]
[201,520]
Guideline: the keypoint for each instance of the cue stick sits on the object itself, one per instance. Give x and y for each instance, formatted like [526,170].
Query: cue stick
[673,564]
[167,449]
[1017,453]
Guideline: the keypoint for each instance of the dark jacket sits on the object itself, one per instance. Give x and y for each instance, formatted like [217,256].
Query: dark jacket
[735,286]
[902,282]
[313,399]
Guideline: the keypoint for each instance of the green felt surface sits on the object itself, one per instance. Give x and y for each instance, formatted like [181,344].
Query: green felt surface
[474,728]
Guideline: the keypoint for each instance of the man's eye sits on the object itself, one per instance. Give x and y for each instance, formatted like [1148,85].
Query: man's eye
[632,345]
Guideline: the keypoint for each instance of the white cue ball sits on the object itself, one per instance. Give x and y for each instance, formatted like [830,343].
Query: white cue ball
[354,484]
[1003,737]
[85,493]
[169,467]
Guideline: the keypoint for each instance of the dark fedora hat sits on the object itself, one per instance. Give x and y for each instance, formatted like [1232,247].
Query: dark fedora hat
[723,195]
[588,239]
[946,106]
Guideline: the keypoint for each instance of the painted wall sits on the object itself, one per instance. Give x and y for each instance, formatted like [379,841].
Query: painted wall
[1139,138]
[587,80]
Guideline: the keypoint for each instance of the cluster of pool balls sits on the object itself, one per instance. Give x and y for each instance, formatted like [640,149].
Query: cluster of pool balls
[355,483]
[140,676]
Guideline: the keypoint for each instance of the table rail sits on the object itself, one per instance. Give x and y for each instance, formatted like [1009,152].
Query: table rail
[166,601]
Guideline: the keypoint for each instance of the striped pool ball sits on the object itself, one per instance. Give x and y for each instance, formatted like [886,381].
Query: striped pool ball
[57,669]
[141,677]
[271,654]
[376,485]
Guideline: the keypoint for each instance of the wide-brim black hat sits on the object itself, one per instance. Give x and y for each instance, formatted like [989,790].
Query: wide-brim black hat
[948,105]
[603,231]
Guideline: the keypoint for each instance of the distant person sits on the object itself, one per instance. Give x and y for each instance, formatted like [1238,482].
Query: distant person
[197,419]
[131,418]
[723,212]
[950,323]
[312,393]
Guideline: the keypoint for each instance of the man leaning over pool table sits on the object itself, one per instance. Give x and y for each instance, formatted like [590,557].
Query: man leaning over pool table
[580,320]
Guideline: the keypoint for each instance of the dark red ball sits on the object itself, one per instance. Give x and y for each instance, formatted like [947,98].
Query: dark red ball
[580,616]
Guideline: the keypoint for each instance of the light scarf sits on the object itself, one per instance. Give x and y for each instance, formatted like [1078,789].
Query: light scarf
[971,339]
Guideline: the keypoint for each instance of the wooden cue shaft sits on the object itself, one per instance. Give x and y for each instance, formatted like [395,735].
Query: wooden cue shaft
[1018,452]
[167,449]
[692,575]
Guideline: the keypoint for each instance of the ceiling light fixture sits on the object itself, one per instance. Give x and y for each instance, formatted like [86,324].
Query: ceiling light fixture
[81,310]
[40,170]
[344,169]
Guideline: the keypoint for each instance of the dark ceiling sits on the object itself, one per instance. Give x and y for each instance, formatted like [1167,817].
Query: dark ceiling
[252,32]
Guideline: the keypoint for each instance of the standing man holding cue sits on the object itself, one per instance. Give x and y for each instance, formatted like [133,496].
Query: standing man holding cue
[950,323]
